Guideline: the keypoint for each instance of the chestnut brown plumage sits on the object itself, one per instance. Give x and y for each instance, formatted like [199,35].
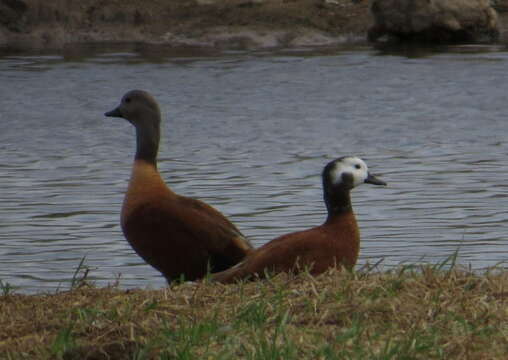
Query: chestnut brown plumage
[177,235]
[334,243]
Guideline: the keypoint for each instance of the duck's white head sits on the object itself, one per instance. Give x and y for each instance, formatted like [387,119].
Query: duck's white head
[348,172]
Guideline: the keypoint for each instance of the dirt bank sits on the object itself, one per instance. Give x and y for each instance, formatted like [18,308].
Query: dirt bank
[231,24]
[217,23]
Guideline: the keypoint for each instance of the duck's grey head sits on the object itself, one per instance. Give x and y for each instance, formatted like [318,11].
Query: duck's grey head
[138,107]
[348,172]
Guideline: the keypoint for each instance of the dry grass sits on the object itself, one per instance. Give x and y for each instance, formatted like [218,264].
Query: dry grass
[407,313]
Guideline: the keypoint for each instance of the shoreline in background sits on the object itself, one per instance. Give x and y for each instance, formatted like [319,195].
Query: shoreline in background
[217,24]
[222,24]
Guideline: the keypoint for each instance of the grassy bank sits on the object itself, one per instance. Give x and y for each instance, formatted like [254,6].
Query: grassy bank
[407,313]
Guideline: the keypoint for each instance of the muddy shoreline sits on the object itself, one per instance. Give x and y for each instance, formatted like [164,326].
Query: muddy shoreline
[227,24]
[219,24]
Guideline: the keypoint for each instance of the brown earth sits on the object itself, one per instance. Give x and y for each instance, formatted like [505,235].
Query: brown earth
[216,23]
[210,23]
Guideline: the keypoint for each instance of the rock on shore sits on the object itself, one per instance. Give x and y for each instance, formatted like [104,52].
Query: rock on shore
[441,21]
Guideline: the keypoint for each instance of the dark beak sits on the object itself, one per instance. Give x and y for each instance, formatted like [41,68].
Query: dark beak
[371,179]
[114,113]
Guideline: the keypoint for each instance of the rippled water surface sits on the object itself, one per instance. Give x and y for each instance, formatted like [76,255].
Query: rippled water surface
[250,133]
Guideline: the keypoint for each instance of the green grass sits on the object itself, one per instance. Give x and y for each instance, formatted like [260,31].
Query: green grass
[64,343]
[5,288]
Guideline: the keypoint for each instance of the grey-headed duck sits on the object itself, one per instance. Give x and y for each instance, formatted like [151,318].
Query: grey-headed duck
[177,235]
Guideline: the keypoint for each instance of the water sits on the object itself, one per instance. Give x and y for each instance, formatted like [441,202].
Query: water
[250,134]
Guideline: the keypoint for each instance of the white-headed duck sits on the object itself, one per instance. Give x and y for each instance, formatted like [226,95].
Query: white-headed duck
[335,243]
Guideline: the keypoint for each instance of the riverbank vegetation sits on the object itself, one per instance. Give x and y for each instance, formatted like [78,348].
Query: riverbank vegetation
[411,312]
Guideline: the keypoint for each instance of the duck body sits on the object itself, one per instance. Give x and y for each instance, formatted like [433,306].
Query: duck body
[177,235]
[335,243]
[316,250]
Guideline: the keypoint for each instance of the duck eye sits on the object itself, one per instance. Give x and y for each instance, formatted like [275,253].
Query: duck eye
[128,100]
[358,166]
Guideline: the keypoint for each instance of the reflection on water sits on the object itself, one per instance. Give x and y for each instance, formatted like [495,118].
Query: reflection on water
[250,133]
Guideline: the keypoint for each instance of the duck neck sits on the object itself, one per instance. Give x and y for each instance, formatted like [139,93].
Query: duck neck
[147,142]
[337,203]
